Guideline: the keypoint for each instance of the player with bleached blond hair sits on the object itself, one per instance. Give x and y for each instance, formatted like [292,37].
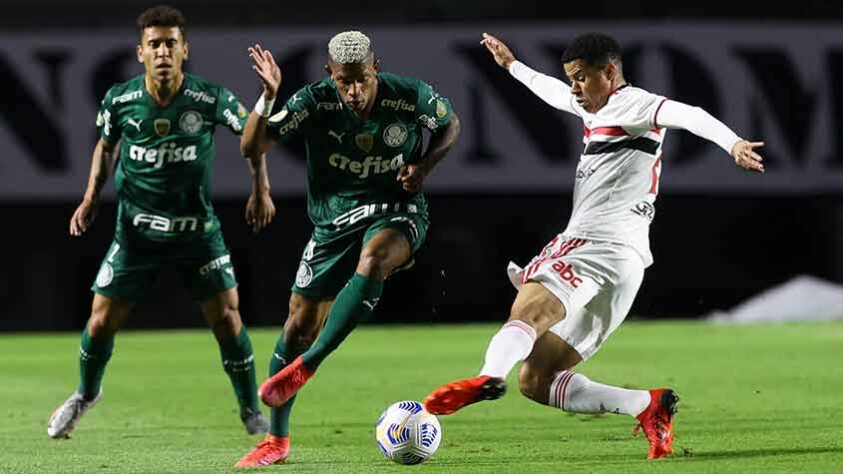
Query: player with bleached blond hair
[366,164]
[578,290]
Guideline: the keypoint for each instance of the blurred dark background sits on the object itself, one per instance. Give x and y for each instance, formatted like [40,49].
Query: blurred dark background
[713,247]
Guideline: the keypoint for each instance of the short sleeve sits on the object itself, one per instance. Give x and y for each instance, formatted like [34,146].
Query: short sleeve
[294,119]
[230,111]
[432,110]
[107,128]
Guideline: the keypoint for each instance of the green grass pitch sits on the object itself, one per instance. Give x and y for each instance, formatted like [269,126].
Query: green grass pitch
[753,398]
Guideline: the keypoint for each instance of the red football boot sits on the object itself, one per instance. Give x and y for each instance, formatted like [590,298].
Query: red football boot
[272,450]
[276,390]
[657,422]
[452,396]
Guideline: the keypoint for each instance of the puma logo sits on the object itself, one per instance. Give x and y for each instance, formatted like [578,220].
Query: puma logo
[371,303]
[135,124]
[336,135]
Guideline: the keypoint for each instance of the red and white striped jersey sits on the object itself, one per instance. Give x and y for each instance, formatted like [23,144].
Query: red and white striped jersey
[617,176]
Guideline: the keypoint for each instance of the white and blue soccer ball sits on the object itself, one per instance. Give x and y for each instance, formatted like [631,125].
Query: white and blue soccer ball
[407,433]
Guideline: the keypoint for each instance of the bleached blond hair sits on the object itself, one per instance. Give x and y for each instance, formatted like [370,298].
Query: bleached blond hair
[350,47]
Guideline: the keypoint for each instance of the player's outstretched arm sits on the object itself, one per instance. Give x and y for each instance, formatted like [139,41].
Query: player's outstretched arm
[260,210]
[441,141]
[556,93]
[102,162]
[255,140]
[673,114]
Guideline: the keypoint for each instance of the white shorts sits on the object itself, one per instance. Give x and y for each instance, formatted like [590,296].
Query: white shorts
[596,281]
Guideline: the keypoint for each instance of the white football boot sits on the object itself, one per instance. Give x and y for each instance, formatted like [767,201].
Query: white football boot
[66,416]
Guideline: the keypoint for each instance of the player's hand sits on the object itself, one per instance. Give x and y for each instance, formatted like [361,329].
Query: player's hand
[412,177]
[83,217]
[259,210]
[269,72]
[744,154]
[503,56]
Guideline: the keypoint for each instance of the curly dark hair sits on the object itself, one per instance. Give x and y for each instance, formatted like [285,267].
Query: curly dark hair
[162,15]
[594,49]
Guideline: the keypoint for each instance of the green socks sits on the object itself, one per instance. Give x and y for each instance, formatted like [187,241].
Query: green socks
[279,424]
[239,363]
[93,356]
[355,303]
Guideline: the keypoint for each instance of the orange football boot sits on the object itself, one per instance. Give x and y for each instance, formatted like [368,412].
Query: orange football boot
[452,396]
[272,450]
[276,390]
[657,422]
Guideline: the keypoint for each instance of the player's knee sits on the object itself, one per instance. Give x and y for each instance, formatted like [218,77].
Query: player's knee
[531,315]
[105,318]
[539,313]
[532,383]
[374,262]
[228,322]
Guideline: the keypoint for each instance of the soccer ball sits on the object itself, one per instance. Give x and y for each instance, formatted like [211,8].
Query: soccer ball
[407,434]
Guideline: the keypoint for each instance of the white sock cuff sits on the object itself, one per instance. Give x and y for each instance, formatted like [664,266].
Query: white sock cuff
[558,388]
[515,323]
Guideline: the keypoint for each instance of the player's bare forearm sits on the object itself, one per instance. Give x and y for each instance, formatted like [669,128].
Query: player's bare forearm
[254,142]
[102,161]
[441,142]
[259,173]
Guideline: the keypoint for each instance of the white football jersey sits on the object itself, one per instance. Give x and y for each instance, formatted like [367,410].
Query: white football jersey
[617,177]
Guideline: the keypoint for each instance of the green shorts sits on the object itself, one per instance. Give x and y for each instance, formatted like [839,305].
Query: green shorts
[330,258]
[129,270]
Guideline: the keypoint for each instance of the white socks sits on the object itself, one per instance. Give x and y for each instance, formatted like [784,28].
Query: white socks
[576,393]
[512,344]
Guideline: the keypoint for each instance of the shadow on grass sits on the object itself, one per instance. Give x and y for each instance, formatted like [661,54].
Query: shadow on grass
[756,453]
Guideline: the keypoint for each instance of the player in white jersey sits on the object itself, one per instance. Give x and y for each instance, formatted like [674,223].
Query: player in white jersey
[579,289]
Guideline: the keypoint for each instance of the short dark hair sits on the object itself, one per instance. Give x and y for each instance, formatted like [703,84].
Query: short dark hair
[162,15]
[594,49]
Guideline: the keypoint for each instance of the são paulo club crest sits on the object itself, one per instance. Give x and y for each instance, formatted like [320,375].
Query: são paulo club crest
[395,134]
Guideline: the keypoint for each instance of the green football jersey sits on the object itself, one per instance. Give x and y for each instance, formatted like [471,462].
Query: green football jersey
[166,156]
[352,165]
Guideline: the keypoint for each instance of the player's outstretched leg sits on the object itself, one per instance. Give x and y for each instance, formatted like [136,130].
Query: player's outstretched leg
[353,304]
[387,250]
[546,378]
[509,346]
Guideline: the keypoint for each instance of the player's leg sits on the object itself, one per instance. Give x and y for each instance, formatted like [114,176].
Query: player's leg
[535,309]
[221,312]
[107,315]
[388,245]
[383,253]
[305,319]
[546,376]
[125,276]
[552,283]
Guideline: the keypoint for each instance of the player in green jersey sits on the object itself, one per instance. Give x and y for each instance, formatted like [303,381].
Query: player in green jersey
[159,129]
[366,164]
